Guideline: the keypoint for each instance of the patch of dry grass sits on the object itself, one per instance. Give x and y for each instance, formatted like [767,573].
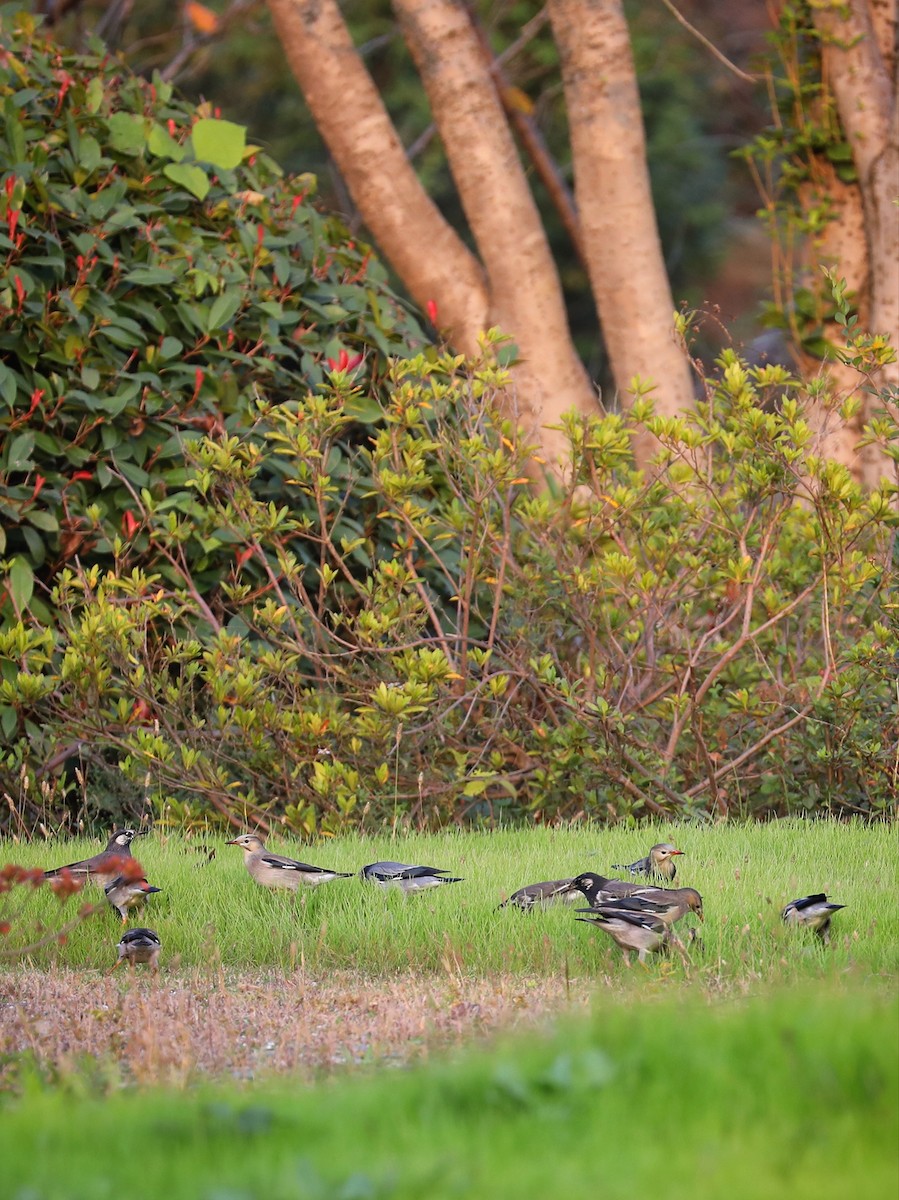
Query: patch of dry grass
[246,1025]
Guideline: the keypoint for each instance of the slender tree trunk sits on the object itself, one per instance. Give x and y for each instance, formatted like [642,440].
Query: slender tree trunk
[861,243]
[428,255]
[525,292]
[612,188]
[517,287]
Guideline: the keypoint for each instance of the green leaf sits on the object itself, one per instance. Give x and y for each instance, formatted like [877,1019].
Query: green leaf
[94,94]
[223,309]
[89,154]
[221,143]
[21,582]
[18,454]
[8,720]
[190,177]
[90,377]
[8,385]
[43,520]
[163,145]
[126,133]
[147,276]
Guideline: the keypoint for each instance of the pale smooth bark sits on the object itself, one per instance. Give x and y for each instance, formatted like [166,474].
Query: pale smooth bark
[428,255]
[525,293]
[517,286]
[612,189]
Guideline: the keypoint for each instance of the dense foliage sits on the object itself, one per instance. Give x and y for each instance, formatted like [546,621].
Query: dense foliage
[157,275]
[718,638]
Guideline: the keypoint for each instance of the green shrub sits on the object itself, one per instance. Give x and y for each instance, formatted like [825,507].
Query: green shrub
[719,638]
[157,275]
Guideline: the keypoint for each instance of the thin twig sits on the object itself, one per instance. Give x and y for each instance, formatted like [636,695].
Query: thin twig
[710,46]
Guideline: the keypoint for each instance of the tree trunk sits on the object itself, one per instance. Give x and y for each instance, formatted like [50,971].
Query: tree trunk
[517,288]
[427,254]
[612,188]
[862,243]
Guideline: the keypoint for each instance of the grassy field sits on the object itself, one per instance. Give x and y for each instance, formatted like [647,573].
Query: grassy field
[349,1044]
[210,914]
[790,1096]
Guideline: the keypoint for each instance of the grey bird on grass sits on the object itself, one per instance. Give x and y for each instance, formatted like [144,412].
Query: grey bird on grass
[671,904]
[630,930]
[668,904]
[406,876]
[139,946]
[276,871]
[540,894]
[124,894]
[812,912]
[658,863]
[104,867]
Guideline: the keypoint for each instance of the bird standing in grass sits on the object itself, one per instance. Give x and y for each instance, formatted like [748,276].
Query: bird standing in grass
[658,863]
[812,912]
[541,894]
[669,905]
[139,946]
[104,867]
[405,876]
[276,871]
[597,887]
[629,928]
[124,894]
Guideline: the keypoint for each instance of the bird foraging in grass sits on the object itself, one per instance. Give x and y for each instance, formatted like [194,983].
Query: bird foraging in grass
[812,912]
[104,867]
[629,928]
[669,905]
[597,887]
[139,946]
[405,876]
[124,893]
[658,863]
[541,894]
[276,871]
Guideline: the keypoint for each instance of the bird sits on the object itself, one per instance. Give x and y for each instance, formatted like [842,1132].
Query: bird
[812,912]
[124,893]
[596,888]
[102,868]
[657,864]
[276,871]
[139,946]
[631,930]
[405,876]
[542,894]
[669,905]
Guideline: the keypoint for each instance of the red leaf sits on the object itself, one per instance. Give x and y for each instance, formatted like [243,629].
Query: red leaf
[129,523]
[431,307]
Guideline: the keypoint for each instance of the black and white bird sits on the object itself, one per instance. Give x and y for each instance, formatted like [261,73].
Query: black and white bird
[276,871]
[104,867]
[139,946]
[595,888]
[630,928]
[406,876]
[124,894]
[536,895]
[658,863]
[812,912]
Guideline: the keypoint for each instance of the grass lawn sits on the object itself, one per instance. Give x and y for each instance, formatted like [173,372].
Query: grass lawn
[211,914]
[789,1096]
[766,1066]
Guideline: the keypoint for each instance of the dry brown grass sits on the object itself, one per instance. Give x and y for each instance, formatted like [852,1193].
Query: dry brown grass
[178,1030]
